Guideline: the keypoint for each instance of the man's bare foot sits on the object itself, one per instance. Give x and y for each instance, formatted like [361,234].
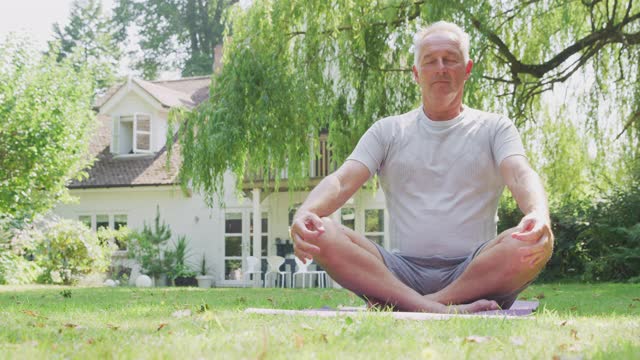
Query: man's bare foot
[476,306]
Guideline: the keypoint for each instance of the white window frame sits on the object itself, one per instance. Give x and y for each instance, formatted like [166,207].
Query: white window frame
[382,233]
[115,137]
[142,132]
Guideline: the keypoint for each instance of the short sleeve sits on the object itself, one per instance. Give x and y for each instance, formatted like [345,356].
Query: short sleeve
[371,148]
[506,141]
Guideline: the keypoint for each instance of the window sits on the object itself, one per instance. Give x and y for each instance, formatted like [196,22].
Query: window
[85,219]
[233,246]
[106,221]
[265,233]
[102,221]
[374,225]
[348,217]
[131,134]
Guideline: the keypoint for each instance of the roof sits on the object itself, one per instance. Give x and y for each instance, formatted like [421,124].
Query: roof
[140,170]
[118,171]
[189,92]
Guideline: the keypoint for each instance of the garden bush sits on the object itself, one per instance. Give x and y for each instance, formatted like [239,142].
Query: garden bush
[595,240]
[67,250]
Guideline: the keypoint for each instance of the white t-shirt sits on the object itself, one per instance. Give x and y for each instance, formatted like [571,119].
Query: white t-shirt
[441,179]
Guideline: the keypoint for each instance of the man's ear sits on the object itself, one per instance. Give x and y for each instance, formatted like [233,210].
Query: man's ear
[468,69]
[415,74]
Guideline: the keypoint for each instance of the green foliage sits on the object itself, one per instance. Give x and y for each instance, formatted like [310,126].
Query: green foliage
[91,35]
[594,241]
[45,124]
[67,249]
[147,247]
[15,250]
[173,33]
[120,237]
[179,266]
[295,68]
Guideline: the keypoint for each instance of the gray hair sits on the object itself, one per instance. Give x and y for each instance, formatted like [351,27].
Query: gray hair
[439,27]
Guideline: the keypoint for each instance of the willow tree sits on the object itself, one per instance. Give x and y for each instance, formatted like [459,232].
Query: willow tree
[294,68]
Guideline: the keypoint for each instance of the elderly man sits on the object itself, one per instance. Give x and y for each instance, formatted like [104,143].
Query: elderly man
[443,168]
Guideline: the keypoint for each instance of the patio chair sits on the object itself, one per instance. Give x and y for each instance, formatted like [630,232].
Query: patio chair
[303,270]
[274,268]
[253,268]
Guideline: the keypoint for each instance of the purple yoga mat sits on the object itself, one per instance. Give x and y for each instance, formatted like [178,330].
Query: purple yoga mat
[519,310]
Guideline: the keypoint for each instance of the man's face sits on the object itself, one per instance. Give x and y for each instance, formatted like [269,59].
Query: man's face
[441,70]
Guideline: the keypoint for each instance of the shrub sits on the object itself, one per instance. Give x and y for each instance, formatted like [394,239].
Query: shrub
[178,260]
[16,264]
[68,250]
[147,247]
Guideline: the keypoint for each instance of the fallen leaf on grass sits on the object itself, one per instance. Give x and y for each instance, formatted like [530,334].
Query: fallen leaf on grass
[539,296]
[324,338]
[305,326]
[632,305]
[113,327]
[162,326]
[574,334]
[635,299]
[181,313]
[477,339]
[299,341]
[570,347]
[90,341]
[573,308]
[71,326]
[33,314]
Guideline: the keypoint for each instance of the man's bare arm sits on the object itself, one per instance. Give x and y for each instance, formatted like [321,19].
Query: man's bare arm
[528,191]
[334,190]
[525,185]
[331,193]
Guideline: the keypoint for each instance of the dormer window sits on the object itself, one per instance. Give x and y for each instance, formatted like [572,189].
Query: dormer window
[132,134]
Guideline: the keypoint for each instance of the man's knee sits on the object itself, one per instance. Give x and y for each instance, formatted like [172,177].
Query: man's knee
[519,266]
[330,235]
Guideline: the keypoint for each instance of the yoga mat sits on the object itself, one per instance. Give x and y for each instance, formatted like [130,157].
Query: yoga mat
[519,310]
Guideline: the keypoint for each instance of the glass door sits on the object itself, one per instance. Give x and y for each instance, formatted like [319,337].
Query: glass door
[238,243]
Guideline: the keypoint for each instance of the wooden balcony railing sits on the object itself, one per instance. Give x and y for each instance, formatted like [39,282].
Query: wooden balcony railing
[321,164]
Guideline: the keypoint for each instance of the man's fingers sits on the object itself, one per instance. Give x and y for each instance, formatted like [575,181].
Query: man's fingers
[304,246]
[303,256]
[317,223]
[531,235]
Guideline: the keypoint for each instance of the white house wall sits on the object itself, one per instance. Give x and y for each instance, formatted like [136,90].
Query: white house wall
[188,215]
[185,215]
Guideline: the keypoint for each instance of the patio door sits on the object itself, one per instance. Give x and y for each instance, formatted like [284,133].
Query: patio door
[238,243]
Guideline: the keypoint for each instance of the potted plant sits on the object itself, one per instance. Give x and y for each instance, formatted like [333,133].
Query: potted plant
[204,279]
[147,248]
[179,272]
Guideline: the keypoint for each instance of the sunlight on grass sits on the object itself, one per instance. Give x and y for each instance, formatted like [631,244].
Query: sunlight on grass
[574,320]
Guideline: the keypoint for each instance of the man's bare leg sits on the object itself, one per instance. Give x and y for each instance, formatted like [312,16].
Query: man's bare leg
[497,270]
[355,263]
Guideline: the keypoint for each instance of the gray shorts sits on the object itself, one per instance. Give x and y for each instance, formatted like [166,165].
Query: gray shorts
[427,275]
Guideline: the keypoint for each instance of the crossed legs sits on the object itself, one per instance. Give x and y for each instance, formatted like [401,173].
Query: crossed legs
[356,264]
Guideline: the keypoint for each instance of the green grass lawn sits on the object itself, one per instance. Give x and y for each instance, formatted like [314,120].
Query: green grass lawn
[574,321]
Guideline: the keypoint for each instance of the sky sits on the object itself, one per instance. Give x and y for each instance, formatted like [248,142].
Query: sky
[35,18]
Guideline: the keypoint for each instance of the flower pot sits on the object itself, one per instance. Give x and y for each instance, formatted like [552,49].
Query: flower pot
[186,281]
[204,281]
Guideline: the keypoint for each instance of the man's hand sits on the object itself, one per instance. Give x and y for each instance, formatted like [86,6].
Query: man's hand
[306,227]
[535,230]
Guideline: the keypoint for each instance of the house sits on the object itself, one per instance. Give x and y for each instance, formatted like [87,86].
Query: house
[129,181]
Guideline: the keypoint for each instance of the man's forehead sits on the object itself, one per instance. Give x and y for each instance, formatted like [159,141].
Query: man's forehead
[442,41]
